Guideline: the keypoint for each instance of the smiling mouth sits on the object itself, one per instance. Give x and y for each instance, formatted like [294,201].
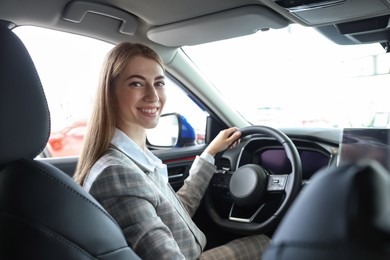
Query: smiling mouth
[149,110]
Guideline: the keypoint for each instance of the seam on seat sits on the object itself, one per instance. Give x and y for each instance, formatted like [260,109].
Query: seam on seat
[38,80]
[44,98]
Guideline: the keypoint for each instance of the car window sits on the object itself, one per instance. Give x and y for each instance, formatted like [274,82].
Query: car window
[295,77]
[69,68]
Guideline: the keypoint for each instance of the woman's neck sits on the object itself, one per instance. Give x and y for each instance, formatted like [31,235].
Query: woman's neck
[137,135]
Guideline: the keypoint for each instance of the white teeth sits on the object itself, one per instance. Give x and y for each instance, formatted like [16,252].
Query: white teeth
[148,110]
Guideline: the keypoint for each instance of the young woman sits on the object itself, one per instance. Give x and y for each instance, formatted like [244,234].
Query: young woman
[130,182]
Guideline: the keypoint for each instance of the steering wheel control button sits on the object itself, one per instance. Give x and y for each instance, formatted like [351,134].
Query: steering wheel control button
[221,180]
[277,182]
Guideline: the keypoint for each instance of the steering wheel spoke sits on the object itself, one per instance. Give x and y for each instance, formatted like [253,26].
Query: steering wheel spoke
[247,218]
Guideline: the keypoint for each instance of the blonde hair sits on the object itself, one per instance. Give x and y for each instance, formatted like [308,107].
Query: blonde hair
[101,125]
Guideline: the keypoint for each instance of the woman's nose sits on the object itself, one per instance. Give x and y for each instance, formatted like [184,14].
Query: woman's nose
[151,94]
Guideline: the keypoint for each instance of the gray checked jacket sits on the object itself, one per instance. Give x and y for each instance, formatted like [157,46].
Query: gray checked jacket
[155,220]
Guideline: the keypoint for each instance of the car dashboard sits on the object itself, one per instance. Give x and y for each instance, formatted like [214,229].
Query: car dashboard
[271,156]
[317,149]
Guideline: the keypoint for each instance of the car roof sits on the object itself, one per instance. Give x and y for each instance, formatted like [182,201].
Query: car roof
[168,24]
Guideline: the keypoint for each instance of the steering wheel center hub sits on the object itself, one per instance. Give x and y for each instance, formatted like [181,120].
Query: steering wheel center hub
[248,184]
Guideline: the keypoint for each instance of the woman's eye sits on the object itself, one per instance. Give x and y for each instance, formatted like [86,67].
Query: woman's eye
[135,84]
[160,84]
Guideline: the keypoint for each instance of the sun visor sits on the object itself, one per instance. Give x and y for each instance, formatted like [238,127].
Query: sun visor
[218,26]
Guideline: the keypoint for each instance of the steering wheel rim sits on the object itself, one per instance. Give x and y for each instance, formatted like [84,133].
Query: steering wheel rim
[292,187]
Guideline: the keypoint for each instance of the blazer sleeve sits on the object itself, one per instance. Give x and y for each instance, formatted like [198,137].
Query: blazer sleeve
[191,193]
[128,196]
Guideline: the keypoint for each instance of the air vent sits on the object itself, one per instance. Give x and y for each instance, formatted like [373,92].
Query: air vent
[225,164]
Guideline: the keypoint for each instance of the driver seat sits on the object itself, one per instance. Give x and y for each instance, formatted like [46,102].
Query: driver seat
[343,213]
[44,214]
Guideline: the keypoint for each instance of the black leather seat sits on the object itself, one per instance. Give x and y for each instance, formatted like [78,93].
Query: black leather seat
[44,214]
[343,213]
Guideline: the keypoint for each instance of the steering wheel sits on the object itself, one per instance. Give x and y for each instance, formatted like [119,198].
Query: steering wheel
[263,196]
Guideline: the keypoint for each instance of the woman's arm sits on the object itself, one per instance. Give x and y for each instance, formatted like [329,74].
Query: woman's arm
[191,193]
[201,172]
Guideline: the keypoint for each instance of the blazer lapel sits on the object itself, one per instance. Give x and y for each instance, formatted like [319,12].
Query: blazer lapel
[167,190]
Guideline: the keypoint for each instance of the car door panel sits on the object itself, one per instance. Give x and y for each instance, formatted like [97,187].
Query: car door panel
[179,162]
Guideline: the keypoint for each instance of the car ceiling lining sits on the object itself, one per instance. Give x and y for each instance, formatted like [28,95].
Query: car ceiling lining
[212,27]
[148,21]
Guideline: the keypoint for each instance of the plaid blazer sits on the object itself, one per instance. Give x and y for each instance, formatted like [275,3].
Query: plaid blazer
[155,221]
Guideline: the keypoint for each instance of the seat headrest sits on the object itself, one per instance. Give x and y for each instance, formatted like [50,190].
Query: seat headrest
[343,213]
[24,113]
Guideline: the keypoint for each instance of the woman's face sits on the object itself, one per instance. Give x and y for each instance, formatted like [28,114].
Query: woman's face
[140,93]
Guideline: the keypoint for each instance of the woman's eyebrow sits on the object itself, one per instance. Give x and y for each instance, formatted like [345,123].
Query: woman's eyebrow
[143,78]
[135,76]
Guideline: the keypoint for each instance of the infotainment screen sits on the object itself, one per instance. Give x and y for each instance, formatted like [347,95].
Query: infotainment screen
[364,143]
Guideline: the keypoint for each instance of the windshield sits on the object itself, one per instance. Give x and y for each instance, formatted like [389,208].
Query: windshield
[295,77]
